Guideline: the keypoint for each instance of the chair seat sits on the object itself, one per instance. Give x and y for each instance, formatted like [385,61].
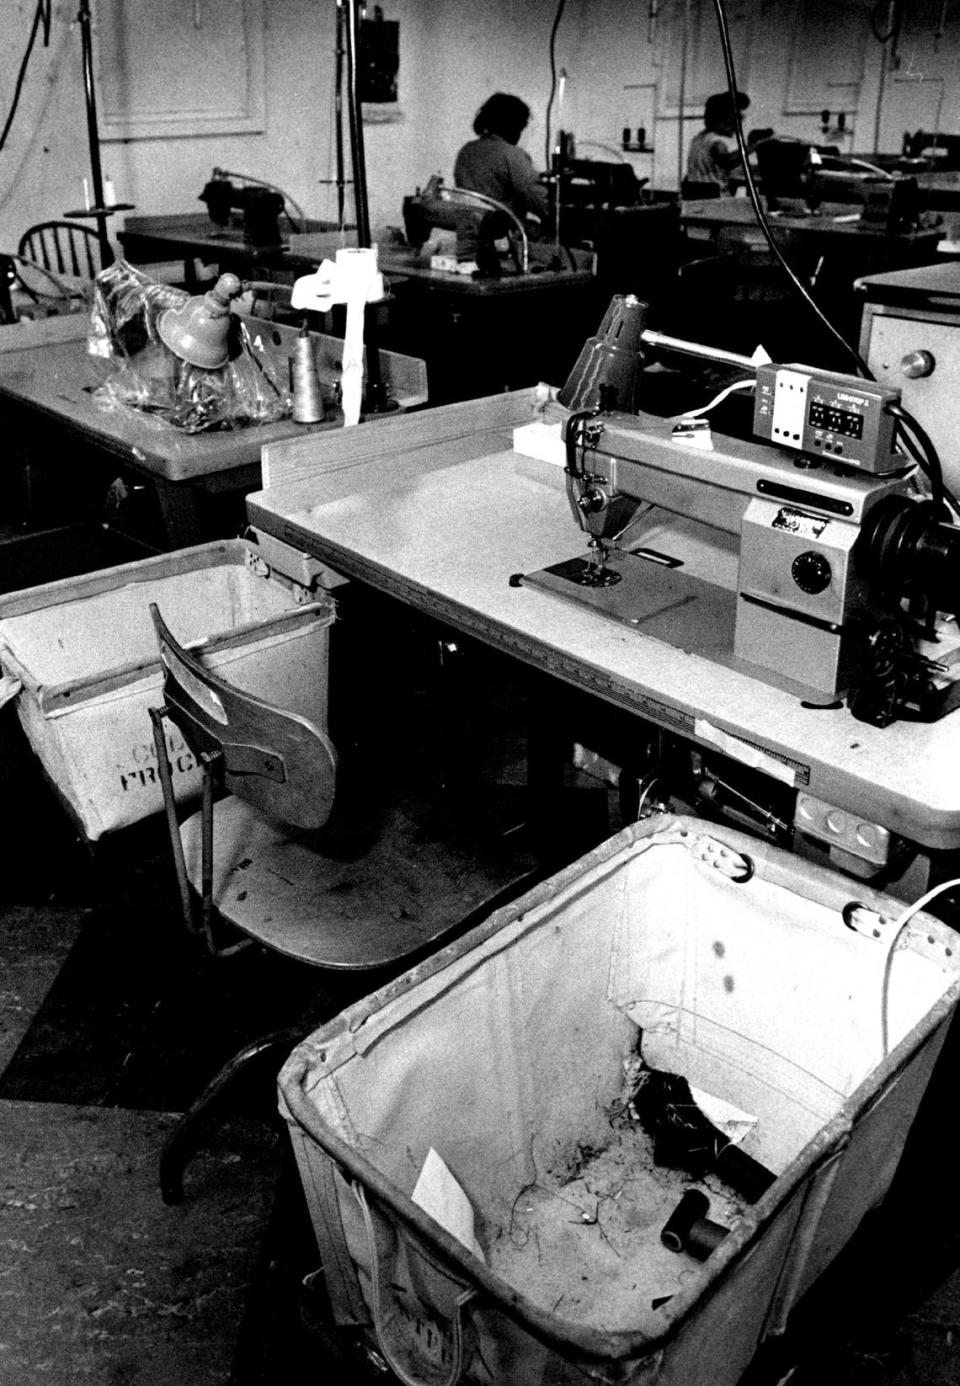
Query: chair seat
[320,900]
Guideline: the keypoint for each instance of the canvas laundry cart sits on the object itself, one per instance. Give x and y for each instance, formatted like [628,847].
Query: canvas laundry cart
[810,1003]
[85,655]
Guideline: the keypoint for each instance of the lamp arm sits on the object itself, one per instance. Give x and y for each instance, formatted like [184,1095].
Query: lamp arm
[867,167]
[706,353]
[448,193]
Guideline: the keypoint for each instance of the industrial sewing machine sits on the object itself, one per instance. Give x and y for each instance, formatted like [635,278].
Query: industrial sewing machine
[478,221]
[798,177]
[847,575]
[260,208]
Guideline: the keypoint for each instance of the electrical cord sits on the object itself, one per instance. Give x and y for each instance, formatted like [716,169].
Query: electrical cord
[553,79]
[922,449]
[718,399]
[42,16]
[759,213]
[898,930]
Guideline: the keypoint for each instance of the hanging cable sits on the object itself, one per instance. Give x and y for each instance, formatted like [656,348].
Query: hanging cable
[759,213]
[911,431]
[41,18]
[553,81]
[898,929]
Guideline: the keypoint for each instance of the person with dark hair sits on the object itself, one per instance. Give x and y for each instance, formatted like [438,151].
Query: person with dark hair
[712,157]
[494,165]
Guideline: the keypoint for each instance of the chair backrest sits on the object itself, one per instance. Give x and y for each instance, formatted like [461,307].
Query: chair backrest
[65,247]
[276,760]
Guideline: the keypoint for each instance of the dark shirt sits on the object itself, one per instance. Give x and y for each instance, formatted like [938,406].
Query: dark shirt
[498,169]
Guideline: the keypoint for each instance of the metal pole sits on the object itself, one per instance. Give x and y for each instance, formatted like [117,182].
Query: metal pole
[682,95]
[361,206]
[338,116]
[93,133]
[707,353]
[376,394]
[878,111]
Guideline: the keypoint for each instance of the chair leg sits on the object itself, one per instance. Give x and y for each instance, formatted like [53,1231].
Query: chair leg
[185,1139]
[169,805]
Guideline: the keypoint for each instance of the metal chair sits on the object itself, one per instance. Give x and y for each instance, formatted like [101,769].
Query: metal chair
[59,249]
[264,860]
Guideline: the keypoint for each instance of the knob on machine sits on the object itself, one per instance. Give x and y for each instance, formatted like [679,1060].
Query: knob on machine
[918,364]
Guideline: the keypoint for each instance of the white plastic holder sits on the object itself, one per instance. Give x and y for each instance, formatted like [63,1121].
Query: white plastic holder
[354,279]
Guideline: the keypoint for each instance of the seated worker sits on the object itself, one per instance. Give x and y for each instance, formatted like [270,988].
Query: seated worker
[713,154]
[492,164]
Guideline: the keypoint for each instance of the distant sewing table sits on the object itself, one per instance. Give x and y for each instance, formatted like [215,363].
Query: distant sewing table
[190,236]
[939,188]
[828,250]
[438,511]
[837,230]
[480,335]
[477,335]
[47,399]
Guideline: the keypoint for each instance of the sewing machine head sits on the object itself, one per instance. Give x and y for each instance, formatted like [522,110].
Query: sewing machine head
[844,567]
[260,208]
[478,221]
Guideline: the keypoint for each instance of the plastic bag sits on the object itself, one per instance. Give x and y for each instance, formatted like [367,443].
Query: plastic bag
[141,373]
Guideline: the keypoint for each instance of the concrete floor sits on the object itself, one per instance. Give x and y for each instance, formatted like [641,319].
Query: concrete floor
[108,1024]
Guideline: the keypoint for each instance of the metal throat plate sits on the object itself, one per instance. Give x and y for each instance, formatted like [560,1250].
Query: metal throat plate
[652,597]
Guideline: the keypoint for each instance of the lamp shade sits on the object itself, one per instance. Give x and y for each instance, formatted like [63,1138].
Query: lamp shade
[198,332]
[608,367]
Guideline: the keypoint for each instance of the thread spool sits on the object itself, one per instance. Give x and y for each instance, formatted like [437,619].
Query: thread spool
[688,1229]
[307,396]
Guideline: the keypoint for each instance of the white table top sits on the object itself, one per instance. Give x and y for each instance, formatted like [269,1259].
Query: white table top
[443,523]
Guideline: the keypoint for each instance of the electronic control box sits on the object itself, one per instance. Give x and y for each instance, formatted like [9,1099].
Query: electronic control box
[823,414]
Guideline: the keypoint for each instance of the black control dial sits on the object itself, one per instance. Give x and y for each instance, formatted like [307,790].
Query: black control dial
[811,571]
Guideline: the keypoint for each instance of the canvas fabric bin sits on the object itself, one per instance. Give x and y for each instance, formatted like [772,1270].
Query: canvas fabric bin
[85,653]
[505,1053]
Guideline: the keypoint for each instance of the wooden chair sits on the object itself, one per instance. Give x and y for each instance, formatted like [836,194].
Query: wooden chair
[263,857]
[61,250]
